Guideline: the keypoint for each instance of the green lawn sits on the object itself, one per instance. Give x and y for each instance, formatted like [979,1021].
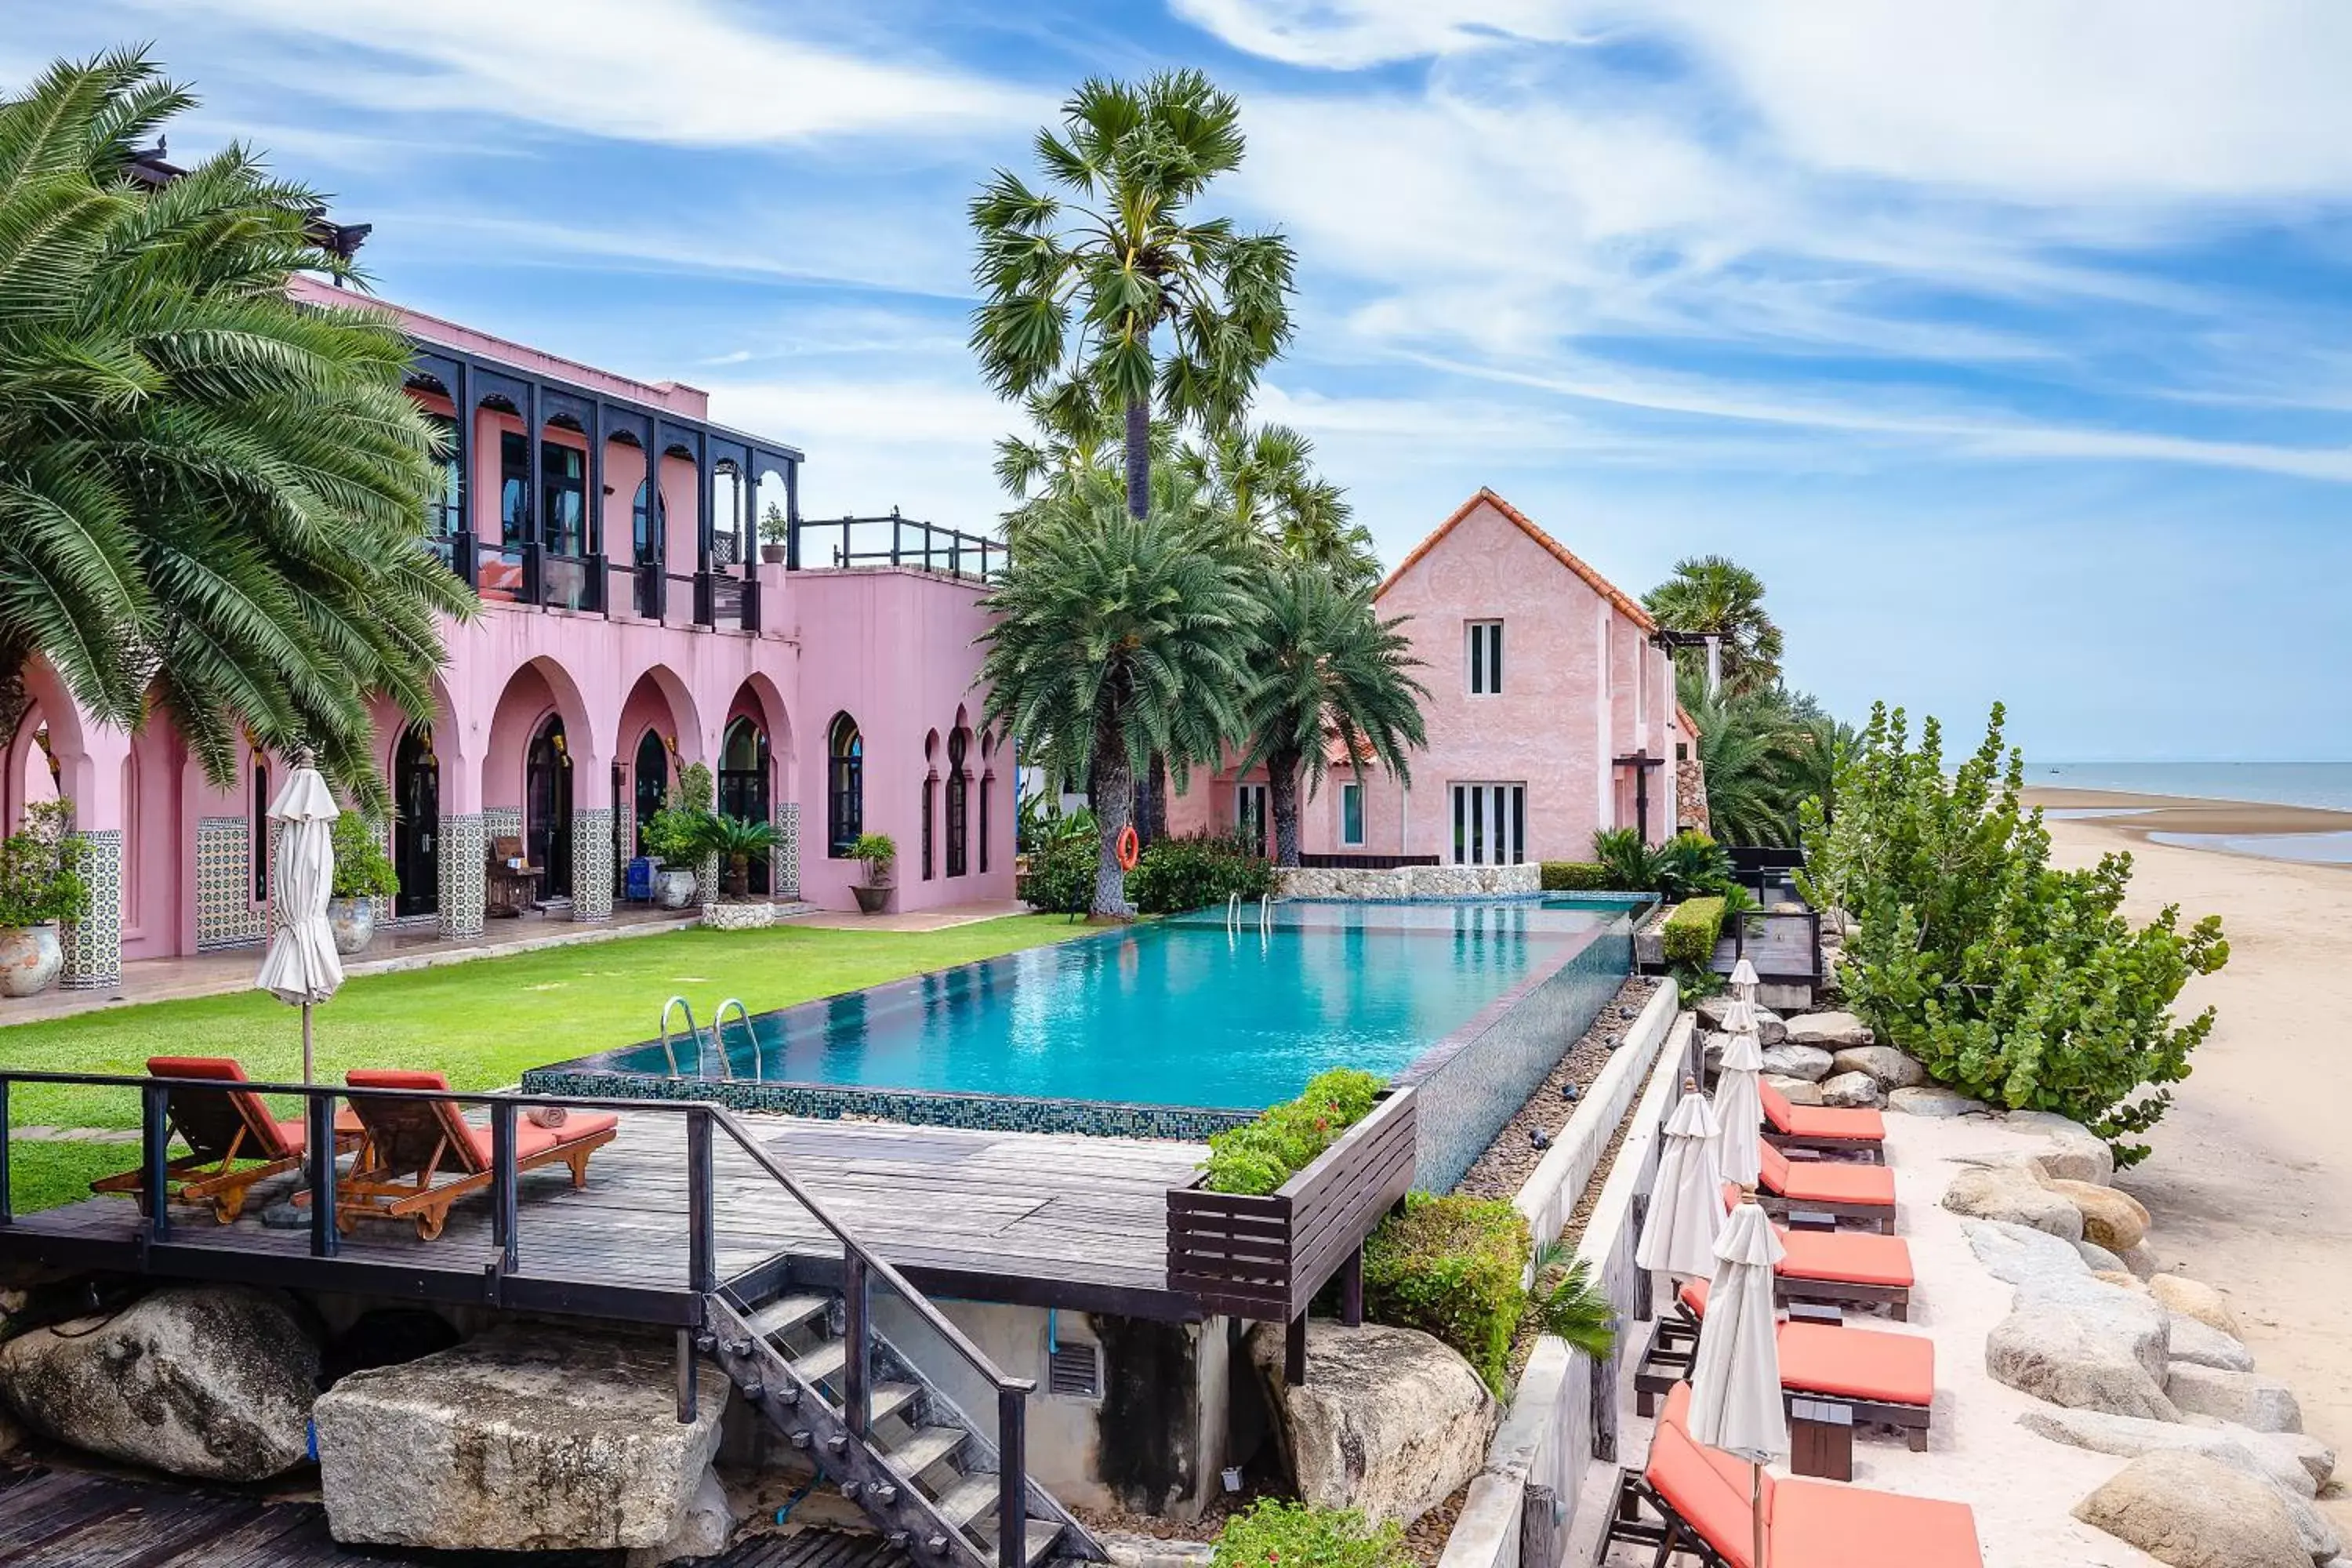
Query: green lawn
[481,1023]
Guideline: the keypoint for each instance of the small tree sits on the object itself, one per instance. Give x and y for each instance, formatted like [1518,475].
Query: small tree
[362,870]
[41,866]
[877,852]
[2013,981]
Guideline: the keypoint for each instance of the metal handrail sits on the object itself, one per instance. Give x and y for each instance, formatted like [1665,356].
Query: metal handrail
[718,1038]
[670,1051]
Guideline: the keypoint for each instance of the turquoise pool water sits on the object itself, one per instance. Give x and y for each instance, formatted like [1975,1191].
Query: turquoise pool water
[1182,1012]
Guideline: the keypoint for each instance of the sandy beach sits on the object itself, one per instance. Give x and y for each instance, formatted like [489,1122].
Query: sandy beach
[2251,1182]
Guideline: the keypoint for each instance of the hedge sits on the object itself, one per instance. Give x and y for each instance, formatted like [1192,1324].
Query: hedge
[1259,1156]
[1452,1266]
[1575,876]
[1178,874]
[1690,932]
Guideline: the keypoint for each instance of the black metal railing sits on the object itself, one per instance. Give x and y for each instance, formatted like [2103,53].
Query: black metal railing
[841,543]
[862,1266]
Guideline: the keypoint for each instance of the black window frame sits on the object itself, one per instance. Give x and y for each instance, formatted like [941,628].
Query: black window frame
[959,855]
[556,486]
[844,787]
[514,489]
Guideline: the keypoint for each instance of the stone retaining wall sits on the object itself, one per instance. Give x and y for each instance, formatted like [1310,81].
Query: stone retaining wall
[1406,881]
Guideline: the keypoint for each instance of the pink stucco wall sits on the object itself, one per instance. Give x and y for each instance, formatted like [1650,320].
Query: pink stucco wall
[1582,685]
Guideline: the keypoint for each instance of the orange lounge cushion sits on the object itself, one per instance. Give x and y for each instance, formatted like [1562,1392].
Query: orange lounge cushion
[216,1068]
[1828,1181]
[1845,1364]
[296,1134]
[1820,1524]
[1858,1363]
[1845,1256]
[1820,1120]
[1712,1502]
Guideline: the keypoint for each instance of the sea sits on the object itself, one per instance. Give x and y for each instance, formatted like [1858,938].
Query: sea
[2327,785]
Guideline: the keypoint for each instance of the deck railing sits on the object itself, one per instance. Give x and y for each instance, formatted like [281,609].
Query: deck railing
[862,1268]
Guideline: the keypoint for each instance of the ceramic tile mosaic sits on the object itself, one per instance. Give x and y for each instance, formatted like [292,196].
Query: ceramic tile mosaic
[500,822]
[464,889]
[785,865]
[591,864]
[827,1103]
[93,944]
[226,915]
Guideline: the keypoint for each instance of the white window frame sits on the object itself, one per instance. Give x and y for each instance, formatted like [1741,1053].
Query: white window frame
[1352,790]
[1482,658]
[1488,822]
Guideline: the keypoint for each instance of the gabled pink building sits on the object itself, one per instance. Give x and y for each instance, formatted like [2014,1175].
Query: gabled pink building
[1552,714]
[627,631]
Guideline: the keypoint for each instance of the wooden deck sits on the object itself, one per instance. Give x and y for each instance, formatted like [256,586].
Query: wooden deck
[1783,948]
[70,1519]
[1036,1219]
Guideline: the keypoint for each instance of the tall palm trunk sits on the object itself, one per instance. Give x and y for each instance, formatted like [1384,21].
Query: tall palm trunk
[1114,804]
[1282,798]
[1139,506]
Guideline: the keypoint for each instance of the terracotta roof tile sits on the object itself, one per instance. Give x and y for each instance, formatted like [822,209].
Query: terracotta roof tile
[1626,604]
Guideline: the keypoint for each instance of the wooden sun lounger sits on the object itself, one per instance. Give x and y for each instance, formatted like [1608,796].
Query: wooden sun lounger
[1823,1129]
[420,1156]
[222,1127]
[1866,1193]
[1886,1379]
[1845,1268]
[1695,1502]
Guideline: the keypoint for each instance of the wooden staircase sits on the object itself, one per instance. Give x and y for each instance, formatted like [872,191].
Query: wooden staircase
[934,1481]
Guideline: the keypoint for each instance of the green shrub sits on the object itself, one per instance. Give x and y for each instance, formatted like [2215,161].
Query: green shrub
[41,866]
[362,870]
[1259,1156]
[1568,1303]
[1451,1266]
[1577,877]
[1178,874]
[1690,864]
[2009,979]
[1060,876]
[1275,1534]
[1625,861]
[1690,931]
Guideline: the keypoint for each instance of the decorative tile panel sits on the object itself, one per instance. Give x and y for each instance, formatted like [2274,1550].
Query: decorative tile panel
[225,914]
[591,864]
[500,822]
[464,889]
[785,863]
[93,944]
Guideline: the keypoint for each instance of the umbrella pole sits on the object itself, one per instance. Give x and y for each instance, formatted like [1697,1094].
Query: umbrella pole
[306,1043]
[1756,1510]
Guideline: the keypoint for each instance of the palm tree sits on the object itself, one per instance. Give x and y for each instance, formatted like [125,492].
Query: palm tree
[1716,594]
[1117,638]
[211,501]
[1075,286]
[1328,671]
[1764,754]
[1265,480]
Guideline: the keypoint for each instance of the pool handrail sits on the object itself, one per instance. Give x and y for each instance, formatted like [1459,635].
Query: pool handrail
[718,1039]
[693,1032]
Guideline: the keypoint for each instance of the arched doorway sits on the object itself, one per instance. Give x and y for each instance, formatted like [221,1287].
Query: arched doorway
[844,786]
[416,823]
[650,789]
[547,808]
[958,853]
[743,789]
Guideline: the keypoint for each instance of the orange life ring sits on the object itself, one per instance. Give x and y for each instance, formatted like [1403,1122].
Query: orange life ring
[1130,847]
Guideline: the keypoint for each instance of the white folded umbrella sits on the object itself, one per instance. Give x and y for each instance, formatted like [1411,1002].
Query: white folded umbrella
[1739,1111]
[1686,1204]
[1744,979]
[302,967]
[1740,1017]
[1735,1403]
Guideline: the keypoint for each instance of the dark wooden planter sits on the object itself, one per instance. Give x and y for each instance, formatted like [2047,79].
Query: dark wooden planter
[870,900]
[1264,1258]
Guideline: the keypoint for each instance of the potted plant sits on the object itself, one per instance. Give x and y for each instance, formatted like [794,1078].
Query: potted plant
[734,841]
[40,885]
[673,838]
[775,533]
[876,850]
[362,875]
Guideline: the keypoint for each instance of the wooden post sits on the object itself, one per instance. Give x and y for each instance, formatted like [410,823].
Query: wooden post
[1293,1353]
[857,1345]
[702,1239]
[326,1240]
[1011,1473]
[505,1209]
[688,1389]
[1351,1288]
[155,1154]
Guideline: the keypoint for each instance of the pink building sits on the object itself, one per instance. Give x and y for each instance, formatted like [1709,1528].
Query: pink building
[829,691]
[1551,712]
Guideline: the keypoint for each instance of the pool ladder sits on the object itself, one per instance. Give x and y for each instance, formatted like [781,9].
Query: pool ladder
[718,1042]
[1264,914]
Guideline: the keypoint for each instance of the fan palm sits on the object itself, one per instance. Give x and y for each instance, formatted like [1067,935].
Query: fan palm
[1114,638]
[1265,480]
[1327,670]
[1714,594]
[211,501]
[1763,754]
[1075,286]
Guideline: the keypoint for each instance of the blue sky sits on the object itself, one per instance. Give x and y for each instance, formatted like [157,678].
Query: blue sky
[2010,341]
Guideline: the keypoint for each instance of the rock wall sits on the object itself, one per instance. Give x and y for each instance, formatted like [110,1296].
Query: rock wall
[1406,881]
[1690,795]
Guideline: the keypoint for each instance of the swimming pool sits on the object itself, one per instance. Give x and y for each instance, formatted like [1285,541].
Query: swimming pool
[1171,1028]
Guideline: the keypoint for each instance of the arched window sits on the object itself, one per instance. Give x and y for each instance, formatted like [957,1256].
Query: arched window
[743,790]
[844,786]
[930,798]
[987,783]
[957,786]
[257,845]
[650,789]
